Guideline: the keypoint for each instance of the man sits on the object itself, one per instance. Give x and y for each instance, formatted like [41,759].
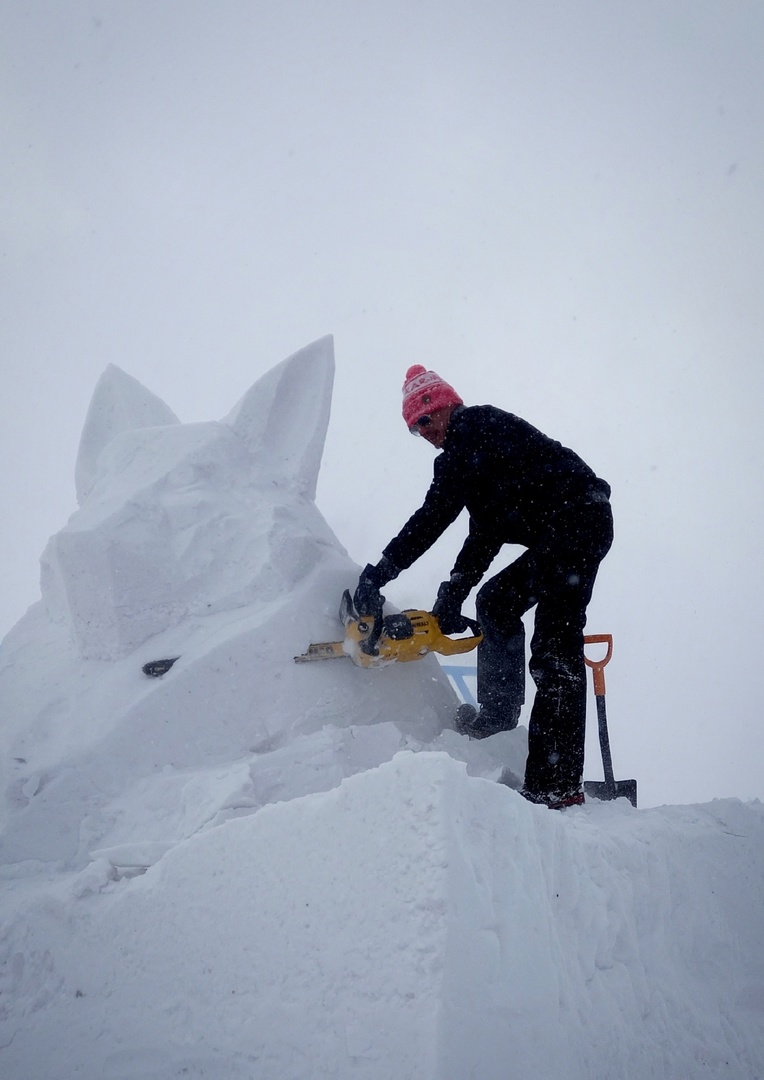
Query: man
[519,487]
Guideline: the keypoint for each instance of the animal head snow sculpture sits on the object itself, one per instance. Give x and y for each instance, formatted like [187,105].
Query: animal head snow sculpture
[203,542]
[178,520]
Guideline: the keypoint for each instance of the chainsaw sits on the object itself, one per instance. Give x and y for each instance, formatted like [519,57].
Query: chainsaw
[375,642]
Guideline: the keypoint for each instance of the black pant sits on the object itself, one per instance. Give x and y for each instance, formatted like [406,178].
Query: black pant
[557,575]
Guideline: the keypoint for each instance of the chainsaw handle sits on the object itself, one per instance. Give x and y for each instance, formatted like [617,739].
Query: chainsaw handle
[449,646]
[598,666]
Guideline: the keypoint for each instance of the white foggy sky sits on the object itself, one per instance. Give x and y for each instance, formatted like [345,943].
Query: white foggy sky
[558,206]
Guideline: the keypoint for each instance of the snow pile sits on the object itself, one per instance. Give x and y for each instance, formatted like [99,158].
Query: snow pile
[248,868]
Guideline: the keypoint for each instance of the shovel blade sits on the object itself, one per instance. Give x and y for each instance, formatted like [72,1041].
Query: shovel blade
[619,789]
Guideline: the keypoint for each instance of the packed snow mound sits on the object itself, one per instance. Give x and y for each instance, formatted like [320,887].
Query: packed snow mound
[414,923]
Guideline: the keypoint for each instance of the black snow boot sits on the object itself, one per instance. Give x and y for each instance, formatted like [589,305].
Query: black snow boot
[489,720]
[555,800]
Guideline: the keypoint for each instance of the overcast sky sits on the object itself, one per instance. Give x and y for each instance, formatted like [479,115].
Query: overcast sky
[556,205]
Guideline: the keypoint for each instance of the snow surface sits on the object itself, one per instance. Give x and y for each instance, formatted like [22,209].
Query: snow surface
[254,869]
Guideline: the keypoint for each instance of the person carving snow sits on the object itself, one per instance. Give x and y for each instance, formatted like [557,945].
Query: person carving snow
[519,487]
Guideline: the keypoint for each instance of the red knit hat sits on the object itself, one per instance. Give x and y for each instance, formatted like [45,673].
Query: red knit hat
[424,392]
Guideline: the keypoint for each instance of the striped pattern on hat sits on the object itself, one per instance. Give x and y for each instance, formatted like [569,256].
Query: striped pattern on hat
[423,392]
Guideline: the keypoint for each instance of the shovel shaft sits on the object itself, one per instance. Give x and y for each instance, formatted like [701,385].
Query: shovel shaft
[607,760]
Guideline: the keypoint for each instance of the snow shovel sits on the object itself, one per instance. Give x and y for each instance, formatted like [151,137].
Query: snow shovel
[610,788]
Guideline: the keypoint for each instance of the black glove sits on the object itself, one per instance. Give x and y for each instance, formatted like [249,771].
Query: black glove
[367,599]
[447,609]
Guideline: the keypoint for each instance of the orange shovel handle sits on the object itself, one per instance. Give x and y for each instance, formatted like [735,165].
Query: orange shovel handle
[598,666]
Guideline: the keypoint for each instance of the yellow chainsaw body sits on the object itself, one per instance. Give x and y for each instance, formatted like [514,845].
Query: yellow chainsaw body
[427,637]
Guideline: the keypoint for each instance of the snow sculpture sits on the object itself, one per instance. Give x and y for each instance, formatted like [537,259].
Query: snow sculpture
[200,541]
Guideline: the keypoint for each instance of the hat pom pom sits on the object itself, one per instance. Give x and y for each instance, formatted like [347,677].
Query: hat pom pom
[417,369]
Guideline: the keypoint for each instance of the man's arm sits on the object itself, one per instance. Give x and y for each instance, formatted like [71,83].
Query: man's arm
[442,505]
[478,552]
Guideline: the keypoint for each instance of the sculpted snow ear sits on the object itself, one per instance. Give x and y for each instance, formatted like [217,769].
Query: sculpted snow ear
[283,418]
[119,403]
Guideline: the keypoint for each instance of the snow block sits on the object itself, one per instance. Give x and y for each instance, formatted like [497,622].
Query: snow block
[414,923]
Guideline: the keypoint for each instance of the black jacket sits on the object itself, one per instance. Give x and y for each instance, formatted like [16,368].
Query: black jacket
[511,478]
